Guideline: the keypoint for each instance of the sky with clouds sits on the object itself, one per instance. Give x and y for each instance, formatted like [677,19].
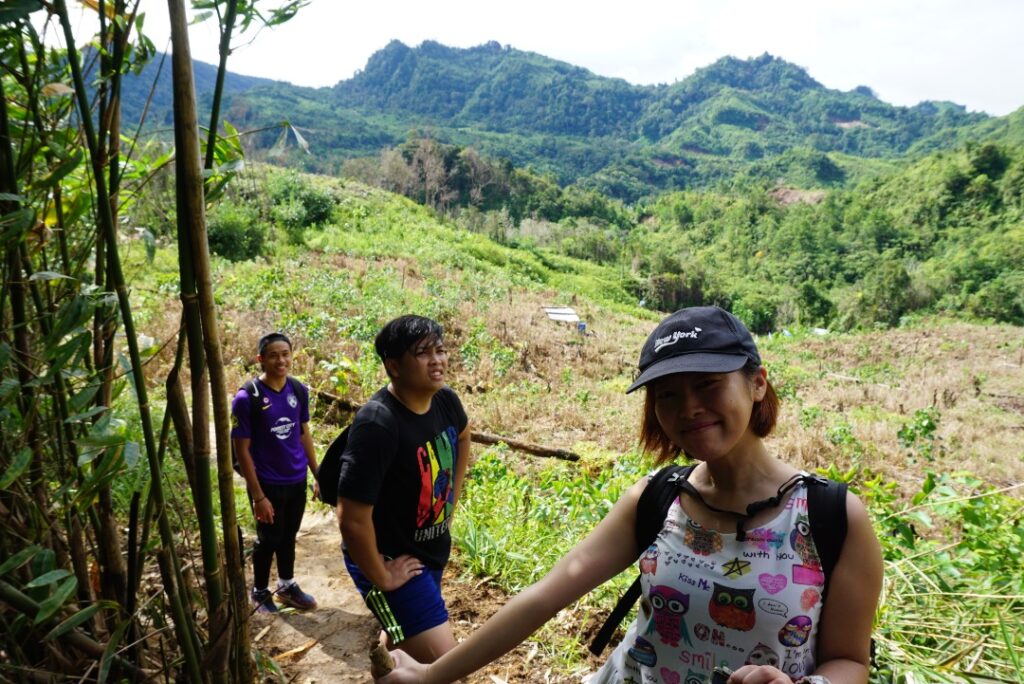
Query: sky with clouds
[968,52]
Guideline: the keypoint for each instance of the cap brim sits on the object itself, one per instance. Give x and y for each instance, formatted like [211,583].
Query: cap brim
[703,362]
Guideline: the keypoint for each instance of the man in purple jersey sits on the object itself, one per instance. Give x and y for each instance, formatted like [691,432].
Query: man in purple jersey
[273,445]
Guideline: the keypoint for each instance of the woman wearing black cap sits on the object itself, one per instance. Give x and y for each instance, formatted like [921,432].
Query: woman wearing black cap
[720,587]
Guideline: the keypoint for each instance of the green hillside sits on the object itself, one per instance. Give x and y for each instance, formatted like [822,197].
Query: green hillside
[1008,130]
[903,414]
[733,117]
[939,234]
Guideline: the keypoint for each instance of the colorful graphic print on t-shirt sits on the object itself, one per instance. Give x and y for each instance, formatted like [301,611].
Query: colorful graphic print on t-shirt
[711,599]
[436,459]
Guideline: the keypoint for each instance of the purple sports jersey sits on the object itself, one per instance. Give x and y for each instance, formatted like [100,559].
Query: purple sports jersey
[275,441]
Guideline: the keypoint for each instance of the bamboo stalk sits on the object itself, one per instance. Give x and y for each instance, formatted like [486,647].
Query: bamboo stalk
[226,29]
[185,628]
[192,224]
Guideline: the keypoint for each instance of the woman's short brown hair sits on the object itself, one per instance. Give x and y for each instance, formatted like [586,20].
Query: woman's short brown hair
[653,439]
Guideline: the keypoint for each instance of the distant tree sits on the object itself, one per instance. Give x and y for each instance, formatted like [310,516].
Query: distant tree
[428,161]
[396,174]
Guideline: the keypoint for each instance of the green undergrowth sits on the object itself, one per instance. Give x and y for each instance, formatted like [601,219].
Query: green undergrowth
[543,509]
[378,225]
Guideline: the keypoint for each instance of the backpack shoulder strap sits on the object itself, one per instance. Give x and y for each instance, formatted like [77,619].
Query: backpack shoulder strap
[328,472]
[253,391]
[300,390]
[661,490]
[651,509]
[826,508]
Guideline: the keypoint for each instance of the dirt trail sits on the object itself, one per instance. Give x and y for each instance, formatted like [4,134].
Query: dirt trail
[331,644]
[332,641]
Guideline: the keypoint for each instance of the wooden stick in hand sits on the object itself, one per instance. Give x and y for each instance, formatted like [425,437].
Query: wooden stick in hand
[381,661]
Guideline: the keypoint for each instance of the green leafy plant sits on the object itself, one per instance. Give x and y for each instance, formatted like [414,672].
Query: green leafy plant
[918,435]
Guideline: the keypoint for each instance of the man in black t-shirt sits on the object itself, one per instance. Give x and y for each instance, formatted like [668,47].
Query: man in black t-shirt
[401,474]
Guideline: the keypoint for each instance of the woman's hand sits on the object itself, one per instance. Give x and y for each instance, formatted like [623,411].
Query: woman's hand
[759,674]
[407,670]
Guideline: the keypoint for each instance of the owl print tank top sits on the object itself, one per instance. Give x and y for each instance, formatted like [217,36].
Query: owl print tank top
[709,600]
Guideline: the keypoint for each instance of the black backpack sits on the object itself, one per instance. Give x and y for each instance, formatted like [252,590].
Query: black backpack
[826,507]
[253,390]
[329,470]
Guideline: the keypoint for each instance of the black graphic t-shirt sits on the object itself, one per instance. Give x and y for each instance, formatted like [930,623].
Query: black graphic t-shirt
[403,464]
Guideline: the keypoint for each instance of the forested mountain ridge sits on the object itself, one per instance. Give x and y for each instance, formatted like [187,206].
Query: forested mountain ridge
[763,117]
[137,88]
[494,88]
[503,89]
[1007,130]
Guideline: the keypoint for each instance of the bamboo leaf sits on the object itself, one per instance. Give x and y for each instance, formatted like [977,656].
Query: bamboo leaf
[278,147]
[16,10]
[14,225]
[83,398]
[285,12]
[17,467]
[231,136]
[107,470]
[232,167]
[8,386]
[82,417]
[1009,644]
[56,90]
[108,7]
[62,169]
[110,650]
[19,559]
[44,561]
[100,441]
[48,578]
[132,453]
[70,316]
[74,621]
[299,139]
[60,356]
[51,605]
[8,197]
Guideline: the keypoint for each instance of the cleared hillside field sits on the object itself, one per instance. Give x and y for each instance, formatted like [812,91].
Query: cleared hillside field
[925,421]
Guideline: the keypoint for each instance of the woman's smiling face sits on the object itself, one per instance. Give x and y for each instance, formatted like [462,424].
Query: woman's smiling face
[707,415]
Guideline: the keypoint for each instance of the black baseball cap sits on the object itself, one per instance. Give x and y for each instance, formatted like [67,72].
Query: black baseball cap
[699,339]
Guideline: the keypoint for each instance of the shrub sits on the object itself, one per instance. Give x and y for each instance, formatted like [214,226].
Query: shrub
[1001,299]
[307,204]
[235,231]
[755,309]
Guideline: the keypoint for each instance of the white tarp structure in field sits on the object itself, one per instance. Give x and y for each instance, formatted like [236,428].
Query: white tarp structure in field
[565,314]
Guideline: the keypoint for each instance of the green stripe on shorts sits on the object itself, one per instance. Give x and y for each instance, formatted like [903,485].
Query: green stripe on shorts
[378,605]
